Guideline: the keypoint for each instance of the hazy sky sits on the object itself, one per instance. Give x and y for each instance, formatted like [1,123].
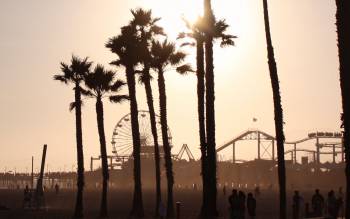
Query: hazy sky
[37,35]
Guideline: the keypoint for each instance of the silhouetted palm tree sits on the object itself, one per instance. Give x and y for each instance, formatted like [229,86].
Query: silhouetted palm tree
[343,30]
[125,46]
[100,84]
[197,32]
[147,30]
[212,30]
[74,74]
[164,55]
[278,114]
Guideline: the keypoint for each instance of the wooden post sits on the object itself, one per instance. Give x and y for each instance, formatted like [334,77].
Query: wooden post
[32,172]
[41,176]
[318,151]
[273,149]
[342,149]
[178,209]
[334,154]
[258,144]
[233,152]
[295,153]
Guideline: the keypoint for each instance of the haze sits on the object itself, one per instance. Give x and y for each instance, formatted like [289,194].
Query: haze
[37,35]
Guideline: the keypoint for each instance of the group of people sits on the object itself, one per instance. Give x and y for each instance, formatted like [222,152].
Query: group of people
[320,207]
[239,203]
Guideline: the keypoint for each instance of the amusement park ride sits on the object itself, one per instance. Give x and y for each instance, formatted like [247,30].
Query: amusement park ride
[325,143]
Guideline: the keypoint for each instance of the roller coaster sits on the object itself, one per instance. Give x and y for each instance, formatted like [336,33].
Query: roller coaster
[323,142]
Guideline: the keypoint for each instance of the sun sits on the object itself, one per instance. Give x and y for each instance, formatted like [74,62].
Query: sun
[172,13]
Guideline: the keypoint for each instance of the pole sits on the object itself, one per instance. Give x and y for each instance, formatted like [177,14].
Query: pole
[334,154]
[273,149]
[318,152]
[295,153]
[342,149]
[32,172]
[233,152]
[258,144]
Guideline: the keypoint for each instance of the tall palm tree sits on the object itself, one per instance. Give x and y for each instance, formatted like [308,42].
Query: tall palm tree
[212,30]
[210,110]
[125,46]
[343,23]
[147,30]
[74,74]
[278,111]
[197,34]
[163,56]
[100,84]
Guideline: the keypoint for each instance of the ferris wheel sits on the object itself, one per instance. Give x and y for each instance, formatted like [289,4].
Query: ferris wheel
[122,142]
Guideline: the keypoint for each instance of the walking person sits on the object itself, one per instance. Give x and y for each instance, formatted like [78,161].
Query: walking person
[242,199]
[297,199]
[251,206]
[234,204]
[317,203]
[332,205]
[340,201]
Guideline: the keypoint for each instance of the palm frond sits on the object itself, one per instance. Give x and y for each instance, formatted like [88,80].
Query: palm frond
[86,92]
[118,85]
[118,98]
[187,44]
[157,30]
[116,62]
[177,57]
[60,78]
[184,69]
[73,105]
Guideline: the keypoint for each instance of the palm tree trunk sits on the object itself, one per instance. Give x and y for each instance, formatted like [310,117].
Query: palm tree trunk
[343,24]
[152,114]
[80,154]
[137,204]
[166,145]
[210,111]
[278,114]
[105,174]
[201,120]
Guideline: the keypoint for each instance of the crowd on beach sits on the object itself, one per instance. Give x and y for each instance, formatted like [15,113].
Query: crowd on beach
[330,208]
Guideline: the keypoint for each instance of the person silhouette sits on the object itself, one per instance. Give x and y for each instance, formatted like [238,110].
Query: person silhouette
[340,201]
[241,198]
[57,188]
[296,205]
[251,206]
[257,191]
[234,204]
[27,197]
[332,205]
[162,210]
[317,203]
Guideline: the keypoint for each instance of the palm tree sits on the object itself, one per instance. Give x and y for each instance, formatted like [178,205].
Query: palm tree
[342,22]
[74,74]
[164,55]
[125,46]
[197,33]
[212,30]
[278,114]
[147,30]
[100,84]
